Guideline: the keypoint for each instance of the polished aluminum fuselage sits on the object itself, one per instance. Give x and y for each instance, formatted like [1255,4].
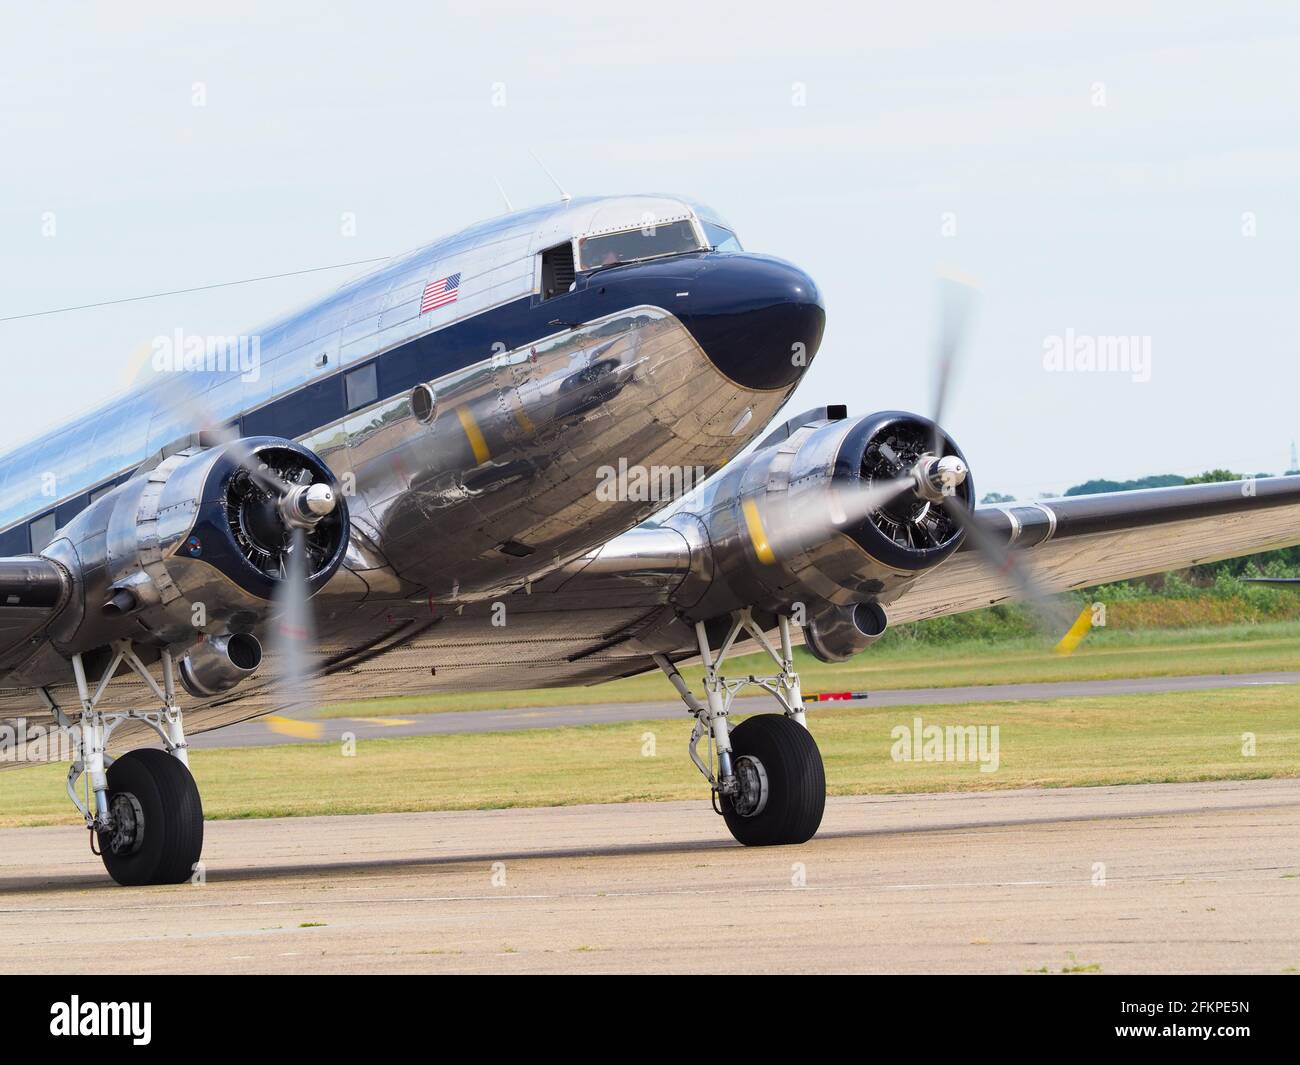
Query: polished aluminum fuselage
[534,397]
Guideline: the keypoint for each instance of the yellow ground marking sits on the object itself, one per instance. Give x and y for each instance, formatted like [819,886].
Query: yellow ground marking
[387,722]
[1081,627]
[288,726]
[756,534]
[476,441]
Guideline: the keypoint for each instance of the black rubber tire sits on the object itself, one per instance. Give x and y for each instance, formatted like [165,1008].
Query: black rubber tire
[796,781]
[173,819]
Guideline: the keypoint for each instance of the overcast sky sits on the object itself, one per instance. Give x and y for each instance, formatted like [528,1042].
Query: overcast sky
[1101,170]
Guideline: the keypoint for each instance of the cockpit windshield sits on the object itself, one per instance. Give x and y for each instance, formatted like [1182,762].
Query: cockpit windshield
[633,245]
[720,238]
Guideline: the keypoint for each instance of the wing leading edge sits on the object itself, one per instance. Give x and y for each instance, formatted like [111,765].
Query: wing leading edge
[1080,541]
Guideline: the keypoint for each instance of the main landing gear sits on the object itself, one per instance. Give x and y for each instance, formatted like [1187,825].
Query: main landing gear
[143,809]
[769,784]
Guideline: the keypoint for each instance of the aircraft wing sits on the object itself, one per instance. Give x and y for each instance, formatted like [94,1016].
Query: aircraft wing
[604,615]
[601,617]
[1080,541]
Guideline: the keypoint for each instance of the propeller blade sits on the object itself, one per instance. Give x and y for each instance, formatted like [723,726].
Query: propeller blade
[849,505]
[854,503]
[294,636]
[191,408]
[292,632]
[957,302]
[1001,559]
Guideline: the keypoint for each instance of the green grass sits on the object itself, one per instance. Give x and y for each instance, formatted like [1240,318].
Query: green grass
[1105,654]
[1054,743]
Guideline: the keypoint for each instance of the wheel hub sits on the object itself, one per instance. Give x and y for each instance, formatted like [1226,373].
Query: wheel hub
[751,796]
[128,824]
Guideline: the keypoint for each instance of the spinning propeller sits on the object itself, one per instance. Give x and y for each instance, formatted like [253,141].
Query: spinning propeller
[909,487]
[957,301]
[279,513]
[293,642]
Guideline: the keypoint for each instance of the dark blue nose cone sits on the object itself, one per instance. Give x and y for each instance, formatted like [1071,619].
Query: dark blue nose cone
[759,319]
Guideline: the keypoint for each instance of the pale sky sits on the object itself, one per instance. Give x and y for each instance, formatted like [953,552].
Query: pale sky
[1102,164]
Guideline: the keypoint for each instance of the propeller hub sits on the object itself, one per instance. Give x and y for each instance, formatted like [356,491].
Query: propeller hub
[278,497]
[304,506]
[939,478]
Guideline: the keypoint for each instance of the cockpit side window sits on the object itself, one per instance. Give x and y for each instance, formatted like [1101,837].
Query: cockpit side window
[557,270]
[720,238]
[633,245]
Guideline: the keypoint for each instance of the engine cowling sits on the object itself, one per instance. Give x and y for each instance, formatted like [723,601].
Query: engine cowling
[199,544]
[779,532]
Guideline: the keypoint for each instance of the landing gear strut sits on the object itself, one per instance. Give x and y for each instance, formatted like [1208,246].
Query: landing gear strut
[143,809]
[769,784]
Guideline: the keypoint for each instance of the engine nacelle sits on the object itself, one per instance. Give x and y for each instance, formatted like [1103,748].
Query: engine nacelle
[789,529]
[199,545]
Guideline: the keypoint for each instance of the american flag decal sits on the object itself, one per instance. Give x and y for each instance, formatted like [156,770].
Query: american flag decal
[440,293]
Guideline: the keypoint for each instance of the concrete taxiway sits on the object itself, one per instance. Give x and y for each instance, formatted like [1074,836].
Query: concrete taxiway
[256,733]
[1152,878]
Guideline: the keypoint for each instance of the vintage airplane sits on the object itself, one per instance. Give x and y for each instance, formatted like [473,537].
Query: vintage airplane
[426,453]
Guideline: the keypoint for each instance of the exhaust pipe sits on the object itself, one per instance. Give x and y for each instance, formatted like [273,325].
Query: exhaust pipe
[219,663]
[840,632]
[120,603]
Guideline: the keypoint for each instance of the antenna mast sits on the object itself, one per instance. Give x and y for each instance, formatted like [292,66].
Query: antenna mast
[564,196]
[509,205]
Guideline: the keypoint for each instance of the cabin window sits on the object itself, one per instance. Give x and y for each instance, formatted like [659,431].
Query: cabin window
[363,387]
[13,542]
[633,245]
[557,271]
[68,510]
[43,529]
